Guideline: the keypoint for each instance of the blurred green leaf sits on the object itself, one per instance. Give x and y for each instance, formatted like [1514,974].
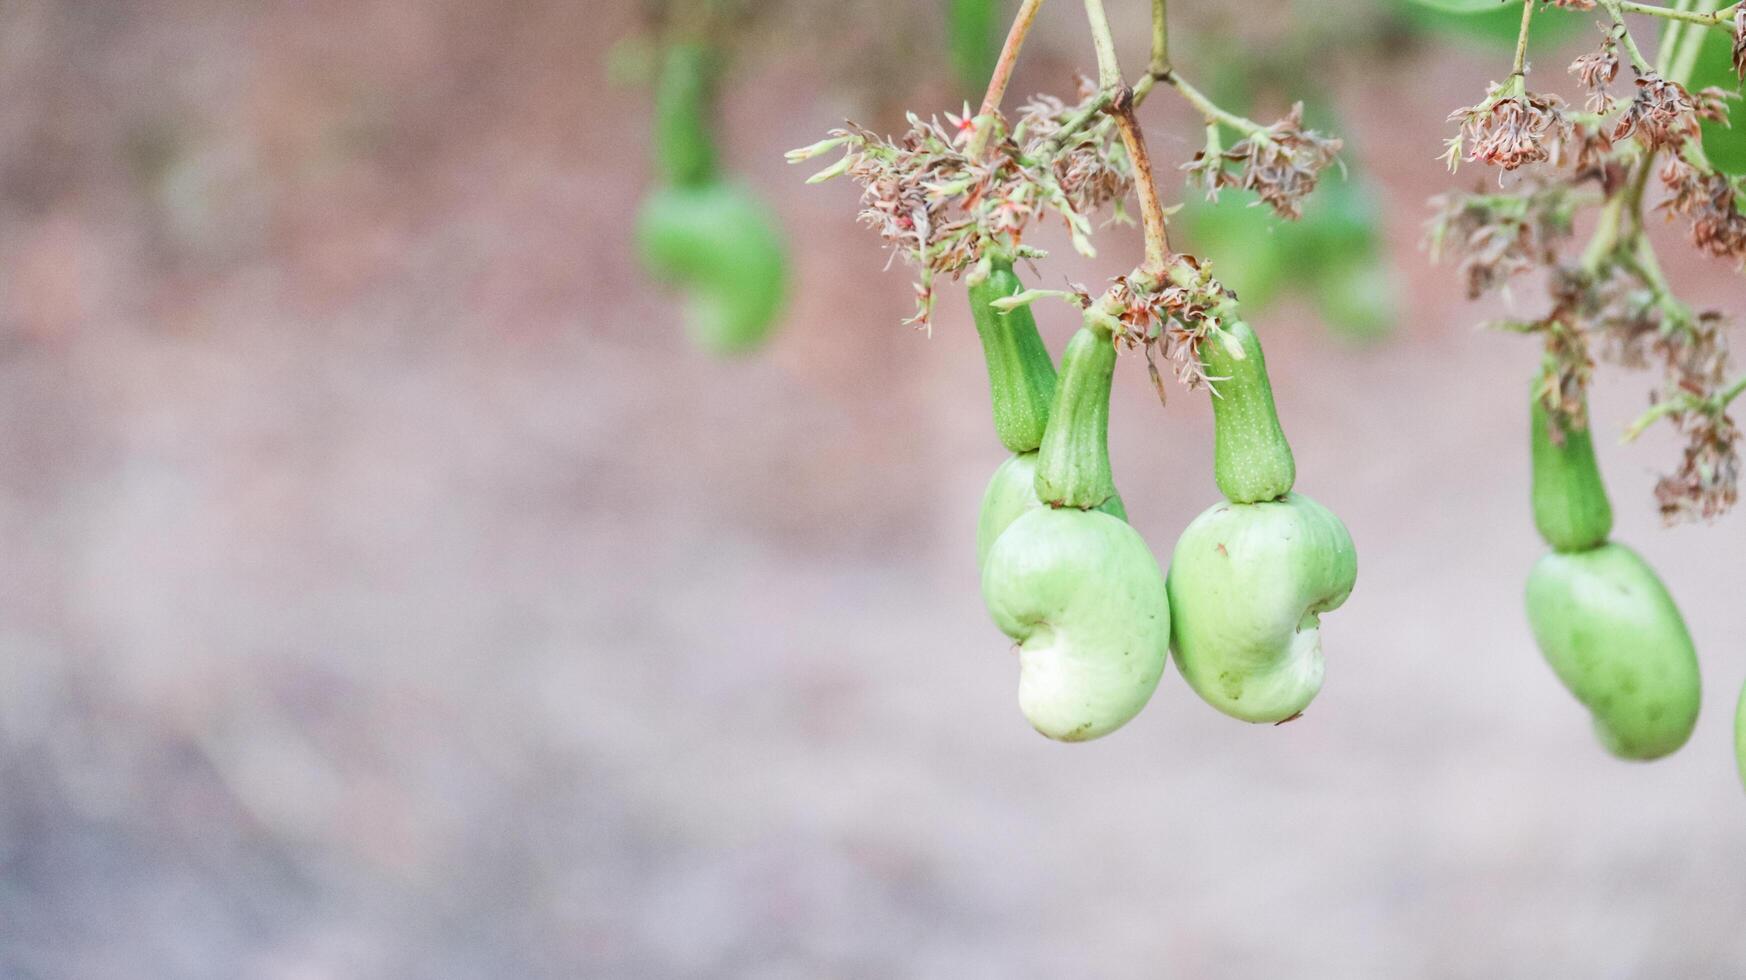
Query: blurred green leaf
[1490,23]
[1470,6]
[1243,244]
[973,38]
[1726,147]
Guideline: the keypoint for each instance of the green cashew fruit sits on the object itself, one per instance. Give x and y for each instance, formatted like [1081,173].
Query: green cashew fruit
[1740,735]
[1077,588]
[717,243]
[1083,596]
[1012,491]
[1599,614]
[1251,460]
[1612,634]
[1571,509]
[1248,584]
[684,99]
[1252,575]
[1021,377]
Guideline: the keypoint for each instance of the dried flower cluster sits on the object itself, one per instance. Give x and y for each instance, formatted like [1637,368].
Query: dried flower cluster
[1280,163]
[938,205]
[1172,318]
[1498,236]
[1614,302]
[1507,131]
[1739,53]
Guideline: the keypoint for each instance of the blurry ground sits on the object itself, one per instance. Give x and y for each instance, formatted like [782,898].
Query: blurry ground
[389,593]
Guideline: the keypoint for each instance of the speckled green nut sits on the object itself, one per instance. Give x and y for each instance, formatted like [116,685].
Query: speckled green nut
[1011,492]
[1248,584]
[1084,598]
[1612,634]
[717,243]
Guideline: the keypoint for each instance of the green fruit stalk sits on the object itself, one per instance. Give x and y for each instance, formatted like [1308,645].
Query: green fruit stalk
[1571,510]
[1599,614]
[684,99]
[1021,377]
[1740,735]
[1252,462]
[1077,588]
[716,242]
[1252,575]
[712,240]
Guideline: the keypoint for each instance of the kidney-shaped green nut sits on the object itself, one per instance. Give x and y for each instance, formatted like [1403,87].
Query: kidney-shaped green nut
[1612,634]
[1248,584]
[1021,377]
[1251,459]
[1012,491]
[1084,598]
[684,99]
[718,244]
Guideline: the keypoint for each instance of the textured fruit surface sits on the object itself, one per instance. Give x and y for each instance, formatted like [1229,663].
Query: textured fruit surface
[1084,598]
[1012,491]
[1571,510]
[1612,634]
[1251,460]
[1248,584]
[1021,377]
[717,243]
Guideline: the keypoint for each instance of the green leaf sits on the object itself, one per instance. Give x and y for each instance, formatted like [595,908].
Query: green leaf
[1492,24]
[1726,147]
[1468,6]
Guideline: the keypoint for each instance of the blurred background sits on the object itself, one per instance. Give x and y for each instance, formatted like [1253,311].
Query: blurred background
[391,590]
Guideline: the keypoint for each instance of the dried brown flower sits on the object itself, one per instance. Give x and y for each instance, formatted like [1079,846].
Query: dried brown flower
[1499,236]
[1663,115]
[1508,132]
[1707,482]
[1596,70]
[1739,54]
[1280,163]
[1712,202]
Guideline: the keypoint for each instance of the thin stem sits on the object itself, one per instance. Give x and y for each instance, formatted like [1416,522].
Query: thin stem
[1637,60]
[1519,68]
[1009,52]
[1716,18]
[1151,209]
[1733,391]
[1208,109]
[1160,40]
[1121,105]
[1109,70]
